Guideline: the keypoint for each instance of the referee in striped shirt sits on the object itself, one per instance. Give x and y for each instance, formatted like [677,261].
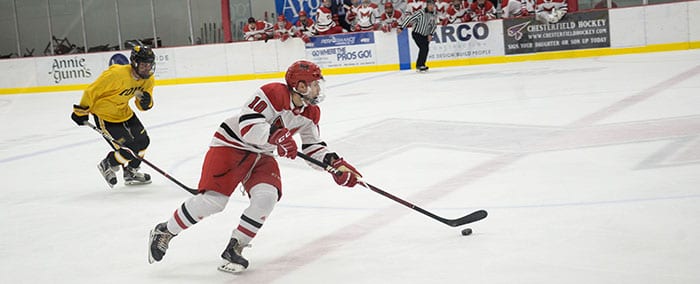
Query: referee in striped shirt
[424,24]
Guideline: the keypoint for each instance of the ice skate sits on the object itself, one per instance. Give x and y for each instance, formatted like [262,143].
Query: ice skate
[132,176]
[108,172]
[422,69]
[234,261]
[158,242]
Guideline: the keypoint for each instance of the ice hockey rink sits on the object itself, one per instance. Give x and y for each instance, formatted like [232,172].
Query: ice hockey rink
[589,169]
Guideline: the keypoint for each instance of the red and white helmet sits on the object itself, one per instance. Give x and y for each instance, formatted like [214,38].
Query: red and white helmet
[307,72]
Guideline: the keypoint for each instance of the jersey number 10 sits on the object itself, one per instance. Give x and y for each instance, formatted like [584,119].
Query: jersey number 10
[258,105]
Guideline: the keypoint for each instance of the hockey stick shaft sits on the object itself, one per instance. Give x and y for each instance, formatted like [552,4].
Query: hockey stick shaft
[162,172]
[470,218]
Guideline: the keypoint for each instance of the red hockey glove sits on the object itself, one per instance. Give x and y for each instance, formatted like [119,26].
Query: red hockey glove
[286,146]
[349,174]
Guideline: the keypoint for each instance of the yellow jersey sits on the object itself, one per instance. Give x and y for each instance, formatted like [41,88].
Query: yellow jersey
[108,97]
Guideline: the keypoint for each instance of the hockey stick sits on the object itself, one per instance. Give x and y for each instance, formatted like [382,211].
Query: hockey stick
[111,139]
[469,218]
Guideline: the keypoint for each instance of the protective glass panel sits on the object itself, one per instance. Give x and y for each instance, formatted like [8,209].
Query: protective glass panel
[135,22]
[241,10]
[101,25]
[8,36]
[33,20]
[172,22]
[206,21]
[66,26]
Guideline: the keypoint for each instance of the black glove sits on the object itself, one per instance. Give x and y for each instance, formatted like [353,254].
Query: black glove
[80,114]
[144,100]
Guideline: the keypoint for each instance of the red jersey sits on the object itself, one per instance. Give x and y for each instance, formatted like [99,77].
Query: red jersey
[271,106]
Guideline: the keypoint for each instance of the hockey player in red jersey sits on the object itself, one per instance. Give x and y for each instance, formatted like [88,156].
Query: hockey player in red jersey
[283,29]
[241,152]
[257,30]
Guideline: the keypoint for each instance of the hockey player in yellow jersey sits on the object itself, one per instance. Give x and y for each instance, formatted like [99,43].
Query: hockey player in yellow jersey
[107,99]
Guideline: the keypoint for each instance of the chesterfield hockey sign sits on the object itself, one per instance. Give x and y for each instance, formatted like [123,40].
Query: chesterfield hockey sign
[574,31]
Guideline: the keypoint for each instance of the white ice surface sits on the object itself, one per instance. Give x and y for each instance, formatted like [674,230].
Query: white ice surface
[589,168]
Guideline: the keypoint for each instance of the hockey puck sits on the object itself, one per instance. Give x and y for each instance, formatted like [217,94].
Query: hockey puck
[467,232]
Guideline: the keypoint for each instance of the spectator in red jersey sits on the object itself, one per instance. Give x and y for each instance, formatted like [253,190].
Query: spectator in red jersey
[367,17]
[390,18]
[304,27]
[283,29]
[550,11]
[325,23]
[482,10]
[458,12]
[351,13]
[514,8]
[441,7]
[257,30]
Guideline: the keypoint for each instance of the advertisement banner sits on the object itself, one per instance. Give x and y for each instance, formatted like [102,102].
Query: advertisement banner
[69,69]
[465,40]
[574,31]
[342,50]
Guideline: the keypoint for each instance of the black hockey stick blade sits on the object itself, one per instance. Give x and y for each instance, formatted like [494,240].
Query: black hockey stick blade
[471,218]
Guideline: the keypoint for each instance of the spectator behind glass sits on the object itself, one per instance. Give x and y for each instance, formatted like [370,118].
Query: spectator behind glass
[339,9]
[441,7]
[351,13]
[283,29]
[413,6]
[325,22]
[366,17]
[458,12]
[304,27]
[550,11]
[517,8]
[257,30]
[482,11]
[390,18]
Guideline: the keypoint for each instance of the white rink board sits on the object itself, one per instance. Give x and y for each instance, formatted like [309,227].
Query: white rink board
[629,27]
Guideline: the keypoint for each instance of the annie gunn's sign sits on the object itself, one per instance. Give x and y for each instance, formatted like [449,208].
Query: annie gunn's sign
[69,68]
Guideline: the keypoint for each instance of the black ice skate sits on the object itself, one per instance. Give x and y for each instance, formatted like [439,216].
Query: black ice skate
[132,176]
[422,69]
[108,172]
[158,242]
[234,259]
